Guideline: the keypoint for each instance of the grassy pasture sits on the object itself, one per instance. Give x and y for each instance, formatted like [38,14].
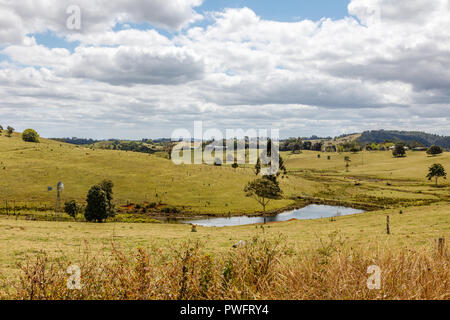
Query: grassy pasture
[374,178]
[26,169]
[415,227]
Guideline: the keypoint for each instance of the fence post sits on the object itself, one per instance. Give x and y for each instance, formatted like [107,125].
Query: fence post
[387,225]
[441,244]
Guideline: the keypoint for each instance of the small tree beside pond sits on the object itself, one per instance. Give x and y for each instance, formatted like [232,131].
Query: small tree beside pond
[263,191]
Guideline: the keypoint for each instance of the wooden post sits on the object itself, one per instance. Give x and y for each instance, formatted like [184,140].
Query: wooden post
[387,225]
[441,245]
[6,206]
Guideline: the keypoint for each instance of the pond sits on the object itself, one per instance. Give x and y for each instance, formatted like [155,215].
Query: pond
[310,212]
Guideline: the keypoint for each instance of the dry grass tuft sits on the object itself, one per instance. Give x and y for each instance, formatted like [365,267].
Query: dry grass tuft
[263,268]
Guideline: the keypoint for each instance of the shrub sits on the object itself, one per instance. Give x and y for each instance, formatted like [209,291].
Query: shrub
[152,205]
[10,131]
[169,210]
[399,151]
[30,135]
[72,208]
[434,150]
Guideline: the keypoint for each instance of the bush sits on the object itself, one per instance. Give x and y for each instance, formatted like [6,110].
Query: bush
[10,131]
[152,205]
[169,210]
[30,135]
[399,151]
[434,150]
[72,208]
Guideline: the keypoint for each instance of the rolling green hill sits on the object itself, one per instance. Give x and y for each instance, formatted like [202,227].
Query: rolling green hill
[27,169]
[426,139]
[376,178]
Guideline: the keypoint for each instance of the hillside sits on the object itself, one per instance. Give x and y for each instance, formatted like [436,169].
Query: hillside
[379,136]
[28,169]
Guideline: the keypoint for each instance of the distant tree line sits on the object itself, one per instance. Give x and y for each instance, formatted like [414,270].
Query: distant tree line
[411,139]
[76,141]
[298,144]
[133,146]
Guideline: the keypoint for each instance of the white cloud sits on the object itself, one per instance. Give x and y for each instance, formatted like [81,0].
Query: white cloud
[35,16]
[307,77]
[132,65]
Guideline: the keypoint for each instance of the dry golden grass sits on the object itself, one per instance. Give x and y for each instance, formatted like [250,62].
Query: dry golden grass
[263,268]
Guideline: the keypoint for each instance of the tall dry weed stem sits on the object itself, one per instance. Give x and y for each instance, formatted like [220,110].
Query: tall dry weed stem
[264,268]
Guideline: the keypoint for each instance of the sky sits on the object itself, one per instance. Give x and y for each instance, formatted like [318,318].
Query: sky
[137,69]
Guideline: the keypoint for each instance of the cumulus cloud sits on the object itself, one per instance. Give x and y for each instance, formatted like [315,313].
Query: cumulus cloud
[414,12]
[27,17]
[132,65]
[383,66]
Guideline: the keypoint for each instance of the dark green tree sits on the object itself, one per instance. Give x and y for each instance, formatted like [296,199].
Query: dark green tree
[107,186]
[72,208]
[307,145]
[434,150]
[297,146]
[10,131]
[436,171]
[30,135]
[399,151]
[263,191]
[99,202]
[97,205]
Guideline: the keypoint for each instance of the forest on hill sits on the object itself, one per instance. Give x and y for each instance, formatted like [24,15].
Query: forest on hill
[421,138]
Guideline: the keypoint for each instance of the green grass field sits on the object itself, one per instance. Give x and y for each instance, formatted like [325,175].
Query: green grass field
[26,169]
[419,212]
[415,227]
